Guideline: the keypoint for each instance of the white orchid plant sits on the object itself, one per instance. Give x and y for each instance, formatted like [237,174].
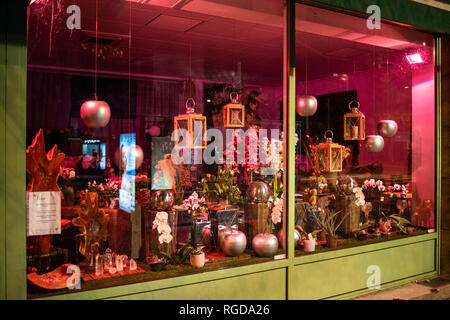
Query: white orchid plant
[161,224]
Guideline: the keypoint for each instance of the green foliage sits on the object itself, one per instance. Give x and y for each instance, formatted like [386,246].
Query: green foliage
[180,257]
[329,221]
[401,222]
[221,187]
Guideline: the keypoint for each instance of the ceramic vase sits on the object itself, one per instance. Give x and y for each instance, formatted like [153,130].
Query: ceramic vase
[197,260]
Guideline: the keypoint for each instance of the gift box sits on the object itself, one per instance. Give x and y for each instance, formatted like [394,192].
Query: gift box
[196,231]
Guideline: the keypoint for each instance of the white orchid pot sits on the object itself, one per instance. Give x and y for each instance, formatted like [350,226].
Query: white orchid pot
[197,260]
[309,245]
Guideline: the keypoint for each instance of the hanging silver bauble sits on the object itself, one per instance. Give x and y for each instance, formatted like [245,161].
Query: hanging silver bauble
[206,236]
[374,143]
[95,113]
[233,243]
[387,128]
[306,106]
[265,245]
[258,191]
[120,157]
[282,238]
[161,199]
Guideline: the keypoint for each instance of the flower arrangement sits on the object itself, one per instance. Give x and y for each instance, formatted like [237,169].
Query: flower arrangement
[398,188]
[194,204]
[161,224]
[141,182]
[277,210]
[373,189]
[107,191]
[68,173]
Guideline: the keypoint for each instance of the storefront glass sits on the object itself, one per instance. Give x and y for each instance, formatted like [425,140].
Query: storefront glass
[155,140]
[155,137]
[365,164]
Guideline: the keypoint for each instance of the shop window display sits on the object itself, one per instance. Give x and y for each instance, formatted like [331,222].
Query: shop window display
[155,138]
[155,141]
[373,94]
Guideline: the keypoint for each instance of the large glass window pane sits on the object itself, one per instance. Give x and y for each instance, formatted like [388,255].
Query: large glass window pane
[366,122]
[155,140]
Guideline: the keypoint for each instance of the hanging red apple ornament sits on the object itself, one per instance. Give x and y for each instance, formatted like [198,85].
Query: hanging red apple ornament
[95,113]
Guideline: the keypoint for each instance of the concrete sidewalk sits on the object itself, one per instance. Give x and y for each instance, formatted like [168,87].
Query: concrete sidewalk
[432,289]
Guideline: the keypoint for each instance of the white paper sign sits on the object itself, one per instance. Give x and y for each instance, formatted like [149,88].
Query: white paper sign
[44,213]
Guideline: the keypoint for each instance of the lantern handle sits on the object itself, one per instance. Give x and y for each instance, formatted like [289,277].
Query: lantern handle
[330,138]
[234,96]
[352,109]
[190,105]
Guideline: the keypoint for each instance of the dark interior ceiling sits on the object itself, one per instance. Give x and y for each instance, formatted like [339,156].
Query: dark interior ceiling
[204,39]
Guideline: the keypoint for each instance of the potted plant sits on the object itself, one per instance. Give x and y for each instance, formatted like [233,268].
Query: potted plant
[393,221]
[309,239]
[330,221]
[197,258]
[362,233]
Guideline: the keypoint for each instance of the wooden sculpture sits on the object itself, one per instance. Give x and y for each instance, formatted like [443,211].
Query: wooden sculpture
[94,223]
[44,169]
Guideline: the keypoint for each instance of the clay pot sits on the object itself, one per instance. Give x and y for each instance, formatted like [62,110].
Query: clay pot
[331,241]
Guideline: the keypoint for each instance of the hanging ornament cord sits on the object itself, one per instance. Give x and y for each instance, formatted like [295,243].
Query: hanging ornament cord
[129,67]
[388,102]
[306,84]
[96,49]
[51,29]
[329,98]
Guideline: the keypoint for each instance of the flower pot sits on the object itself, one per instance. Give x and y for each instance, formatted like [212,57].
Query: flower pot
[197,260]
[309,245]
[331,241]
[157,266]
[322,236]
[362,236]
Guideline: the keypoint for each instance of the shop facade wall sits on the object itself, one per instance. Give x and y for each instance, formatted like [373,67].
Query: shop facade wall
[445,163]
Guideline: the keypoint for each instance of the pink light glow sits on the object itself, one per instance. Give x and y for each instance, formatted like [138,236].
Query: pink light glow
[414,58]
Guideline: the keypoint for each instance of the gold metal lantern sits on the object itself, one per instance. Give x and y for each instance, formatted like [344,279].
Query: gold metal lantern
[329,155]
[234,113]
[195,126]
[354,123]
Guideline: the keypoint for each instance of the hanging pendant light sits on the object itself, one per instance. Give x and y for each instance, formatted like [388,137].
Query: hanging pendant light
[95,113]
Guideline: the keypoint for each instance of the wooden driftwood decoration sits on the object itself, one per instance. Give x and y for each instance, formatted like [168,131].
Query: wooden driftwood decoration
[44,169]
[94,223]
